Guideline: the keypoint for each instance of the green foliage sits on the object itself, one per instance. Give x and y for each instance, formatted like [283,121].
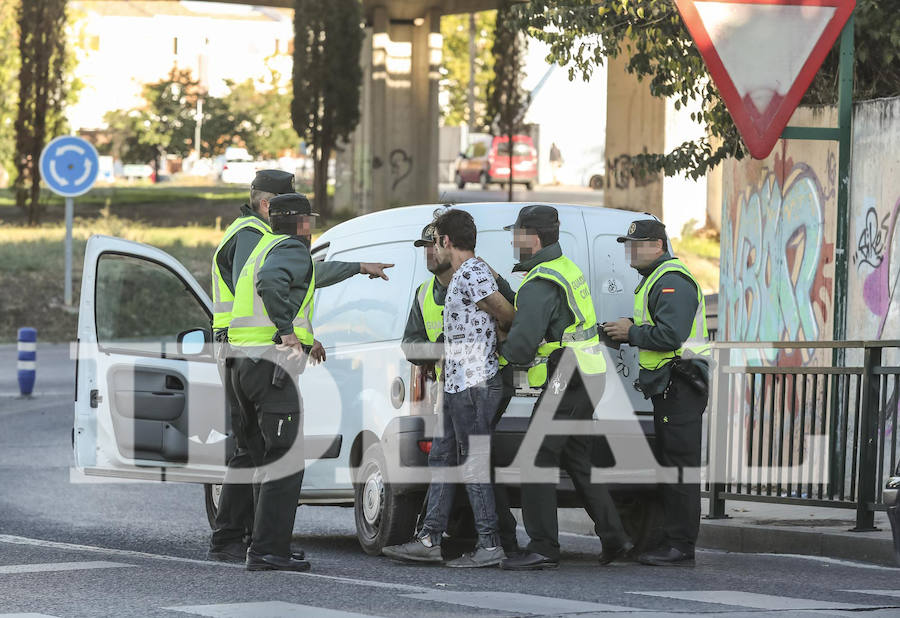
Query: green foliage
[651,33]
[328,38]
[171,111]
[43,89]
[876,34]
[9,68]
[507,100]
[456,33]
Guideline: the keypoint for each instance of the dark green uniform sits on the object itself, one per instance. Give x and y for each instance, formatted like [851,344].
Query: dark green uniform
[542,313]
[677,407]
[283,282]
[420,351]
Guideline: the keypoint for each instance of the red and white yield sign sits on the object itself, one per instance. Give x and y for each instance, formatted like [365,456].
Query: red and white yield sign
[763,55]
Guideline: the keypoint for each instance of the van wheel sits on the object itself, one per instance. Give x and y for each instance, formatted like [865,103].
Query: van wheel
[212,493]
[460,183]
[485,180]
[383,517]
[596,182]
[642,516]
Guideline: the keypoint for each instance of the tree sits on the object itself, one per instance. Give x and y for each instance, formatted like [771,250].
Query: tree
[456,69]
[135,136]
[507,100]
[328,40]
[42,93]
[9,69]
[582,33]
[172,107]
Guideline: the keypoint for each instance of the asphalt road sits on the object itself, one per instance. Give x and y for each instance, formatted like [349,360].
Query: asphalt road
[544,193]
[114,549]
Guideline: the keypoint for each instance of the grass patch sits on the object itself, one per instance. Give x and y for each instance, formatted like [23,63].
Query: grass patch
[700,252]
[32,265]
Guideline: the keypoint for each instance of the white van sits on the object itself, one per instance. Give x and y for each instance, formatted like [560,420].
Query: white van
[149,403]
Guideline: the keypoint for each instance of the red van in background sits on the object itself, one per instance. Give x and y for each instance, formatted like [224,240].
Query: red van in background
[486,161]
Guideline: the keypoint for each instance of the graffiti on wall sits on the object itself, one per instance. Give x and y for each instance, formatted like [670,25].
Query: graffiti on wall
[401,166]
[874,260]
[774,284]
[623,174]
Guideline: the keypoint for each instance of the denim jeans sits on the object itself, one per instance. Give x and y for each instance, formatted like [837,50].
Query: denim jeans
[466,414]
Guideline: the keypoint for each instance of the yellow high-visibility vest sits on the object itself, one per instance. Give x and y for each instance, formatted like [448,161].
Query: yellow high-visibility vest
[250,323]
[582,335]
[698,341]
[432,315]
[223,299]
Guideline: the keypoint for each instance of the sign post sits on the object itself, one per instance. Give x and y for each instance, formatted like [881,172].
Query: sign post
[69,165]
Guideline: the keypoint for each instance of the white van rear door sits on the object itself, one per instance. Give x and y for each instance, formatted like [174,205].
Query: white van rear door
[149,400]
[613,282]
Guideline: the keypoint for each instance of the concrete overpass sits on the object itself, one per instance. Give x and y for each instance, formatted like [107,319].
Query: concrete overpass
[392,158]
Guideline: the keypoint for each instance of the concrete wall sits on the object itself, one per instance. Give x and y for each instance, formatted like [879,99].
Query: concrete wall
[873,308]
[778,234]
[635,122]
[778,231]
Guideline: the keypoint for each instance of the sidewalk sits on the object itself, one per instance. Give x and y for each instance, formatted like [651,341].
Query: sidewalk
[758,527]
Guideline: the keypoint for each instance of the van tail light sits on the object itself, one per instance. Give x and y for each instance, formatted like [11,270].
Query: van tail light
[425,446]
[225,167]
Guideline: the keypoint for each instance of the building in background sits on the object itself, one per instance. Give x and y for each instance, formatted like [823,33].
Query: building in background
[124,45]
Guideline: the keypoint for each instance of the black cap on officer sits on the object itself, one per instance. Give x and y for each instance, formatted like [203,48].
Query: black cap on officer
[273,181]
[291,205]
[427,236]
[536,217]
[645,229]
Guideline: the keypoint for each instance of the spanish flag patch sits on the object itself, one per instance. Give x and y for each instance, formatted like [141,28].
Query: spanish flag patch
[668,290]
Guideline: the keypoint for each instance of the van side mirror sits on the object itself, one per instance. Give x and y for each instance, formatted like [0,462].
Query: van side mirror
[193,342]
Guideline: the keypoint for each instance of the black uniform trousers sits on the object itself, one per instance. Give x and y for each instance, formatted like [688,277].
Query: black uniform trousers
[276,415]
[572,453]
[677,418]
[234,517]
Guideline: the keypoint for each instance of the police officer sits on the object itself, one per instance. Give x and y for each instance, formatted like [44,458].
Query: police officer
[555,326]
[669,325]
[274,305]
[421,344]
[234,516]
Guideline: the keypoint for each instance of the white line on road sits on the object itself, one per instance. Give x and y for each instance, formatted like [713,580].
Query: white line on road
[268,609]
[517,603]
[60,566]
[883,593]
[834,561]
[750,600]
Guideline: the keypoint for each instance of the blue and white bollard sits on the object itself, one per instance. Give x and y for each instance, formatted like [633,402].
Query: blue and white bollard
[27,360]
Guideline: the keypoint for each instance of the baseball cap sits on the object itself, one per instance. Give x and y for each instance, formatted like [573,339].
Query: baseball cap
[289,204]
[645,229]
[427,236]
[273,181]
[537,217]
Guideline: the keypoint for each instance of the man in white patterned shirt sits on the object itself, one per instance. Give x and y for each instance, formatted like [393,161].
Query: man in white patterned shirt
[474,310]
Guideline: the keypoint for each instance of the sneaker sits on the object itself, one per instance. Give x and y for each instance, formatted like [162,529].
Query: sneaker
[414,551]
[481,557]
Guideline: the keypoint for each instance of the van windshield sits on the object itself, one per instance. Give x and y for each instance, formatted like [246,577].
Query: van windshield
[520,149]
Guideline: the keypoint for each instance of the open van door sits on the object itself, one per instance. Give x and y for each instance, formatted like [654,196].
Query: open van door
[149,402]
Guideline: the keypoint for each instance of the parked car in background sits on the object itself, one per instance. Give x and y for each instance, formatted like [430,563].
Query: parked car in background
[486,161]
[238,167]
[594,176]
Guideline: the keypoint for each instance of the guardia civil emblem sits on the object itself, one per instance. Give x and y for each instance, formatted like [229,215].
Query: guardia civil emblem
[632,228]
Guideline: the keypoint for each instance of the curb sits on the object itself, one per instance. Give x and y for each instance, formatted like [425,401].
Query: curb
[763,539]
[732,536]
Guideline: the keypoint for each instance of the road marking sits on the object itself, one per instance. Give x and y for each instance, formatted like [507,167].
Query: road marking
[268,609]
[516,603]
[750,600]
[836,561]
[26,616]
[48,567]
[883,593]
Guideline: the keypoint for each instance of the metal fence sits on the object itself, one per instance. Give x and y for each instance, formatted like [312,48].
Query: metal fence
[787,425]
